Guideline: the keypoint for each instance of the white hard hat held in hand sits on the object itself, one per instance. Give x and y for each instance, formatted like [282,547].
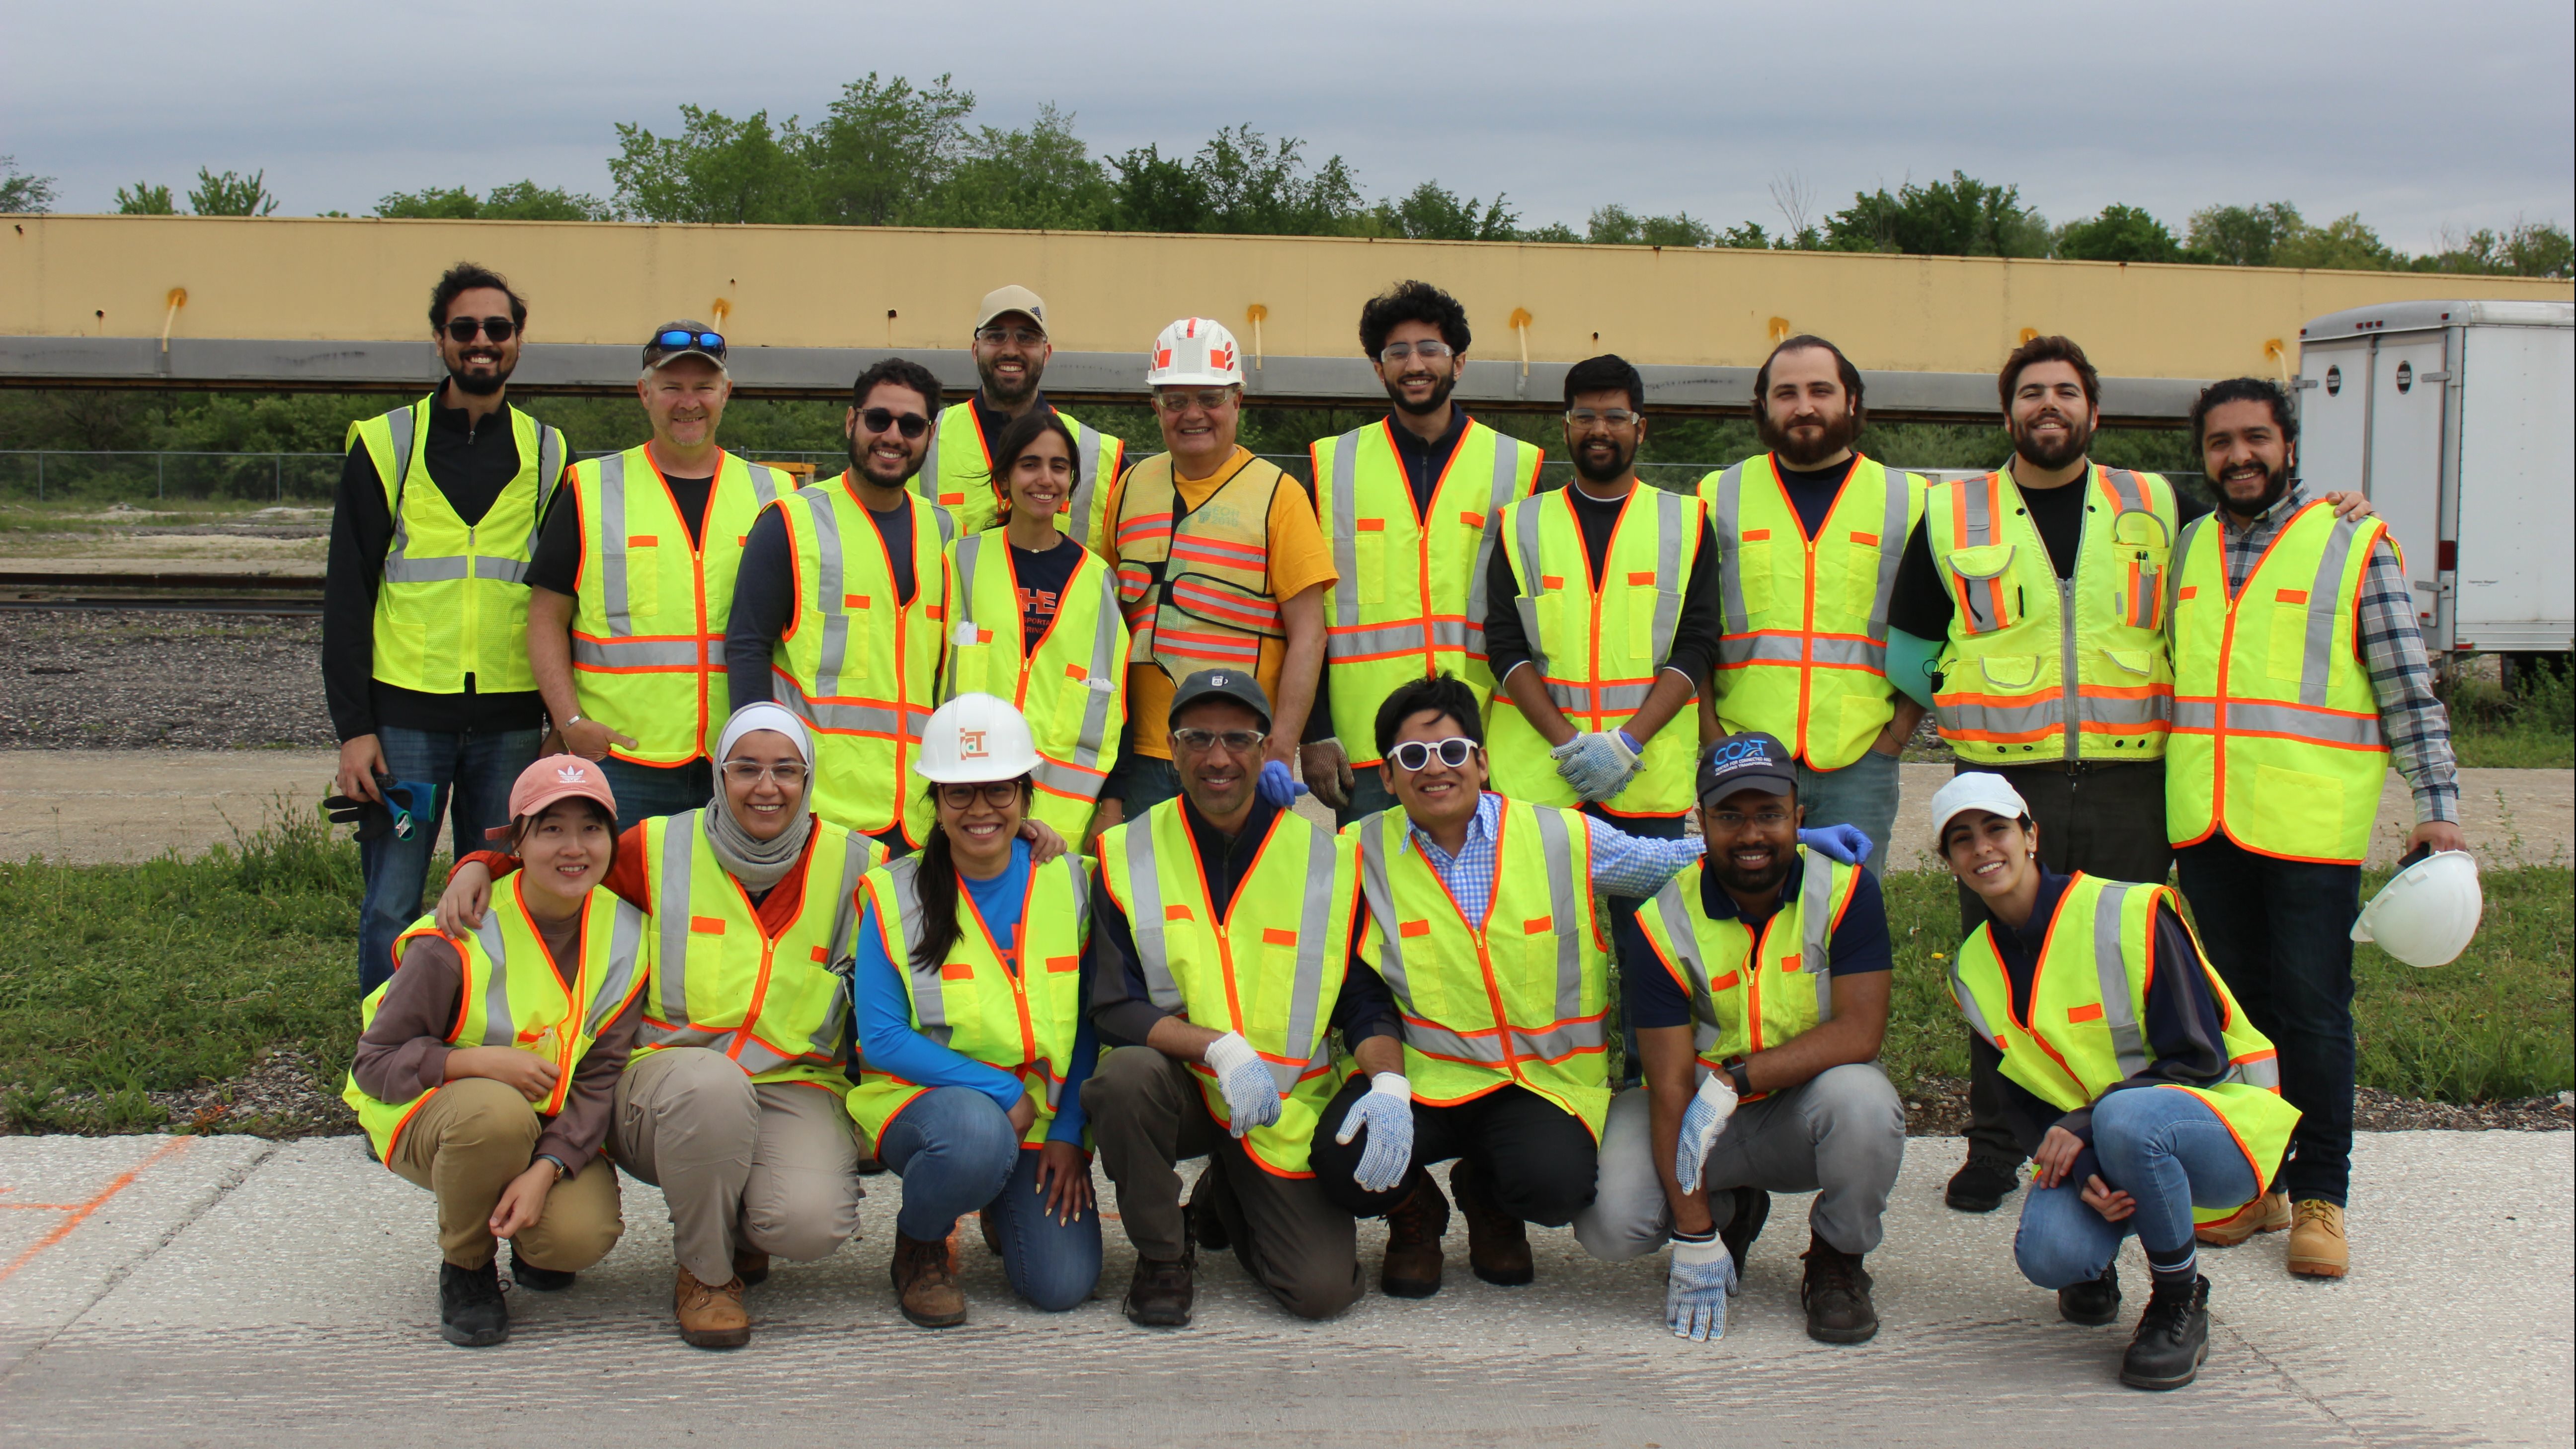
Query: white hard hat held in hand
[2427,912]
[1195,352]
[972,738]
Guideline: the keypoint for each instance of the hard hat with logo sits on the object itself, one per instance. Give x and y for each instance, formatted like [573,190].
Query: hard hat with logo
[2427,912]
[975,737]
[1195,352]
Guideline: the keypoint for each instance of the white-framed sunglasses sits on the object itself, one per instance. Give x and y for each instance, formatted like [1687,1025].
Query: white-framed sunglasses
[1414,755]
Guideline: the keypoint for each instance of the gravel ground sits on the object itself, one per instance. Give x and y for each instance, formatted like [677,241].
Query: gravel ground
[99,679]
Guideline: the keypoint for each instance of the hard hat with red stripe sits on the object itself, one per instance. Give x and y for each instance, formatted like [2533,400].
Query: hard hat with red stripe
[1195,352]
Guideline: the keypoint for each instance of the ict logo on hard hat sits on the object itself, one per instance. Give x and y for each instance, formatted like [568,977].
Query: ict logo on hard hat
[970,745]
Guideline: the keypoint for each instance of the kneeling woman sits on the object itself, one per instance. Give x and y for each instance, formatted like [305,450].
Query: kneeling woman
[2140,1091]
[971,1028]
[486,1065]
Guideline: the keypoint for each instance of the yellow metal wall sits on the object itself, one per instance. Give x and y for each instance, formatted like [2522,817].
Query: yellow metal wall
[369,280]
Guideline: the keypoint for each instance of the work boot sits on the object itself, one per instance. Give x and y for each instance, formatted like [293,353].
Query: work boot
[1207,1225]
[1982,1184]
[470,1311]
[1835,1291]
[1498,1249]
[989,1223]
[750,1267]
[926,1284]
[2173,1337]
[1413,1229]
[1752,1210]
[1158,1296]
[710,1314]
[870,1165]
[2317,1245]
[535,1279]
[2269,1213]
[2094,1303]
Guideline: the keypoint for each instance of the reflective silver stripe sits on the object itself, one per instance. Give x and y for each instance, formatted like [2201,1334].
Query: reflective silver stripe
[1392,638]
[1091,456]
[1979,494]
[1104,670]
[1507,457]
[625,940]
[425,570]
[1526,573]
[506,570]
[1345,524]
[1816,930]
[2195,714]
[2111,970]
[2325,602]
[1984,615]
[2124,710]
[1764,648]
[1724,512]
[1967,999]
[2358,731]
[1893,531]
[2126,489]
[1432,1039]
[634,653]
[970,552]
[2181,557]
[766,484]
[1314,925]
[947,530]
[1145,916]
[498,1027]
[403,427]
[671,915]
[929,1006]
[1379,892]
[2264,1072]
[1668,576]
[825,1039]
[831,598]
[844,719]
[611,526]
[1972,718]
[550,472]
[1684,937]
[1565,902]
[926,482]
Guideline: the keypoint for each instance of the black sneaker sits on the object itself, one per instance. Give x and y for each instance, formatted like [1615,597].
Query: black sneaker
[470,1311]
[1752,1210]
[1206,1226]
[1159,1295]
[1982,1184]
[2173,1337]
[1835,1292]
[535,1279]
[2092,1304]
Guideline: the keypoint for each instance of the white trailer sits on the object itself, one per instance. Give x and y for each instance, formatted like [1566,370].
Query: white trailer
[2458,419]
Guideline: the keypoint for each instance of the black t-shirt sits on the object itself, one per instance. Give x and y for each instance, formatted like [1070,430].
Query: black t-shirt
[1812,491]
[558,562]
[1857,945]
[1921,604]
[1042,577]
[764,590]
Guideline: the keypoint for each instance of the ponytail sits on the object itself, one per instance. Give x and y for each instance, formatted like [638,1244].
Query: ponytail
[934,882]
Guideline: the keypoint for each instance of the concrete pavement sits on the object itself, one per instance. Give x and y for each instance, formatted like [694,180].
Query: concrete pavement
[228,1291]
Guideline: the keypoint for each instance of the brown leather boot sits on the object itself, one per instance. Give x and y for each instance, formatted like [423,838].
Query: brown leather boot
[991,1227]
[1498,1247]
[926,1284]
[2267,1214]
[1413,1229]
[710,1314]
[2318,1248]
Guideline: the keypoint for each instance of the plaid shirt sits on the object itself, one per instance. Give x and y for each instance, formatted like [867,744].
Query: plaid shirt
[1622,864]
[2412,722]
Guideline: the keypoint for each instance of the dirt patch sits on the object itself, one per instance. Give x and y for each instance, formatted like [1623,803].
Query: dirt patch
[102,680]
[1938,1107]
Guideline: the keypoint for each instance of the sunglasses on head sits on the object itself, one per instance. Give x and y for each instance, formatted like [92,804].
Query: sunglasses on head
[1413,755]
[680,339]
[462,329]
[880,420]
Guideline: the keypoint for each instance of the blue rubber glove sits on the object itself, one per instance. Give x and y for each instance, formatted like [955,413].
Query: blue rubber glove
[1277,787]
[1386,1110]
[1702,1278]
[1251,1094]
[1701,1122]
[1846,843]
[1596,766]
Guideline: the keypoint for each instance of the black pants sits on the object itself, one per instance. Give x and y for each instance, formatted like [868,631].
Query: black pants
[2105,819]
[1537,1161]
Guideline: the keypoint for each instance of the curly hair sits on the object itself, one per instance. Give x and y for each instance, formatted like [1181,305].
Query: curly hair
[1412,302]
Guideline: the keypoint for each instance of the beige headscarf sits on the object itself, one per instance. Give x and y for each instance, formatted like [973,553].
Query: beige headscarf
[759,864]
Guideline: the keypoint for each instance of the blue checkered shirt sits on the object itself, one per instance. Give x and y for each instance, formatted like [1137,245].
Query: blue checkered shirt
[1622,864]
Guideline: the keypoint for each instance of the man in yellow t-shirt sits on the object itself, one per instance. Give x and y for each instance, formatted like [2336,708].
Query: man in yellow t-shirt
[1219,564]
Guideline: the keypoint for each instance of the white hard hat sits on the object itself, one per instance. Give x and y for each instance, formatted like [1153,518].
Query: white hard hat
[2427,912]
[1975,790]
[975,737]
[1195,352]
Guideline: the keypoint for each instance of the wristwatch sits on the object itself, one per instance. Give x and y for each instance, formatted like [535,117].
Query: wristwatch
[561,1171]
[1743,1081]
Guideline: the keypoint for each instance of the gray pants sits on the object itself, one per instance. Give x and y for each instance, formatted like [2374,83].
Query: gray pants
[1840,1135]
[769,1166]
[1862,793]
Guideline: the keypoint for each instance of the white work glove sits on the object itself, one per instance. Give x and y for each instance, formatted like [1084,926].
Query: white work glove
[1597,766]
[1705,1118]
[1386,1110]
[1695,1294]
[1251,1096]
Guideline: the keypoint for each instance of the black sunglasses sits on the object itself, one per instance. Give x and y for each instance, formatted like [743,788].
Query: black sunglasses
[462,329]
[878,420]
[681,340]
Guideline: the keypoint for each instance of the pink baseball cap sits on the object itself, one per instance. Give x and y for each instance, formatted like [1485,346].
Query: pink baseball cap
[553,778]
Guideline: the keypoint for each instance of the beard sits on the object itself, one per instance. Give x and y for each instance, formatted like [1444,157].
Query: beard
[1013,394]
[1621,458]
[2276,481]
[480,384]
[1439,397]
[862,459]
[1751,883]
[2079,440]
[1837,434]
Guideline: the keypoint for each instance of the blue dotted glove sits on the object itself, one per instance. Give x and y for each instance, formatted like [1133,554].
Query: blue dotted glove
[1277,787]
[1695,1294]
[1386,1110]
[1251,1093]
[1701,1122]
[1846,843]
[1596,766]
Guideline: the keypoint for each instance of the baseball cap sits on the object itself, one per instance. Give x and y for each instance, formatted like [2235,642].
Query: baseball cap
[1234,684]
[655,354]
[1748,761]
[1013,298]
[553,778]
[1976,790]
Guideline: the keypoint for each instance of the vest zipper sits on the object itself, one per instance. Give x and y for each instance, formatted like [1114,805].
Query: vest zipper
[2071,694]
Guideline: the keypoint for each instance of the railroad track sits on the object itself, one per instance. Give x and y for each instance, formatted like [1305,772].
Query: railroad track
[174,593]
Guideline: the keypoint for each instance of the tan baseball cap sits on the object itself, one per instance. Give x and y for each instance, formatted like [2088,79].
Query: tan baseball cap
[1014,298]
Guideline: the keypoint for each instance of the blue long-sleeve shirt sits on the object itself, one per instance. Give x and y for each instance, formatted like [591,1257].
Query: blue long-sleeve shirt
[892,1046]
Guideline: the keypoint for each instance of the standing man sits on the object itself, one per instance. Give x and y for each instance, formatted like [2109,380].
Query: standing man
[2300,672]
[1221,933]
[1011,352]
[633,584]
[1809,533]
[425,613]
[1413,504]
[1219,566]
[839,608]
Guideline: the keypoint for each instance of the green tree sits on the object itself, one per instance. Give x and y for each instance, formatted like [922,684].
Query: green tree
[1960,217]
[516,201]
[21,191]
[1154,192]
[230,193]
[1241,182]
[1042,178]
[2243,236]
[1616,225]
[2119,234]
[2343,244]
[145,199]
[885,147]
[2526,249]
[717,169]
[1432,212]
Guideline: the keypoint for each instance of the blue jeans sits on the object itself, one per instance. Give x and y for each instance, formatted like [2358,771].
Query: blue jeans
[1862,794]
[1368,796]
[956,1152]
[473,774]
[644,791]
[2167,1150]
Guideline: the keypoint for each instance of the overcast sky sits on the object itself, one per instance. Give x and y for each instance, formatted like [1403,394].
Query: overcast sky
[2419,117]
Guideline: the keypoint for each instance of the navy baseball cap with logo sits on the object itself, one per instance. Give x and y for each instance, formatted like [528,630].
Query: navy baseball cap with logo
[1234,684]
[1749,761]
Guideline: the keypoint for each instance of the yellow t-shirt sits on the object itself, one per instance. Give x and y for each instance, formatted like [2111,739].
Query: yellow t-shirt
[1299,561]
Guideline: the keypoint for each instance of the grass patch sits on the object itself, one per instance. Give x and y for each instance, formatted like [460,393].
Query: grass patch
[2531,726]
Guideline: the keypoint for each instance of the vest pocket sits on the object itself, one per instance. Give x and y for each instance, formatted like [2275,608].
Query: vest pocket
[1980,593]
[2294,805]
[1643,605]
[644,576]
[1753,570]
[1860,577]
[2010,671]
[2286,658]
[2131,661]
[1369,548]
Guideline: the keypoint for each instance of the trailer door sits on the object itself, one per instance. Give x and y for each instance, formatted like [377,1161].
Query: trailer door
[2405,460]
[2334,413]
[2517,481]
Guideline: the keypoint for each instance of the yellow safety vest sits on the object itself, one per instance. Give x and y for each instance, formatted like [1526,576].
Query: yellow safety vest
[1517,997]
[1195,582]
[529,1007]
[1599,643]
[1410,599]
[454,602]
[2039,668]
[1271,969]
[1749,992]
[648,629]
[859,667]
[2082,1037]
[1015,1007]
[2276,725]
[1072,690]
[1803,655]
[779,1006]
[957,474]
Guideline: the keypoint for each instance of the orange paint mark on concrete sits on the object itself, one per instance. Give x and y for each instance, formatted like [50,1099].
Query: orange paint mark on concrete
[80,1211]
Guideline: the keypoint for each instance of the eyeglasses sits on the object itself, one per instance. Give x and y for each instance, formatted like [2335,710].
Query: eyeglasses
[680,339]
[462,329]
[1236,742]
[1016,336]
[1586,417]
[996,793]
[881,420]
[1427,351]
[752,772]
[1175,401]
[1415,755]
[1769,818]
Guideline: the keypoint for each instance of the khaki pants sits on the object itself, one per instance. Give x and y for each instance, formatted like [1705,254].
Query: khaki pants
[770,1166]
[465,1144]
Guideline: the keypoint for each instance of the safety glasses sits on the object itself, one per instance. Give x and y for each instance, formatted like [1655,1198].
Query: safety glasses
[680,339]
[1175,401]
[462,329]
[1413,755]
[996,793]
[1236,742]
[884,420]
